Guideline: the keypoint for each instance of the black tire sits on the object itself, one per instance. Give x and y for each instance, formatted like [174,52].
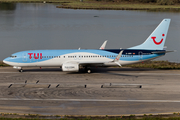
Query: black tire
[89,71]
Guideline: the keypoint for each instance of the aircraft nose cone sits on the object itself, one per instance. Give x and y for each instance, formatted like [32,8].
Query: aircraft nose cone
[6,60]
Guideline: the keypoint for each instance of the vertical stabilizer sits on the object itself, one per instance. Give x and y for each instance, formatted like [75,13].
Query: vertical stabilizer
[157,38]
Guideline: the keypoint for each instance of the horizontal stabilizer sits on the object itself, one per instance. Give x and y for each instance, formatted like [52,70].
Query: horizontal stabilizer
[159,52]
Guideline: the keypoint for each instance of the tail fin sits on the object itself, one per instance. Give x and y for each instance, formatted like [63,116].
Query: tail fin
[157,38]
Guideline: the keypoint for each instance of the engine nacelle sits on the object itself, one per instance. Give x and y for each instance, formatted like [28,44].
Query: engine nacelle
[70,67]
[15,67]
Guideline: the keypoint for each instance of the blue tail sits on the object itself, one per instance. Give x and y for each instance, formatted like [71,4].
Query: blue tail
[157,38]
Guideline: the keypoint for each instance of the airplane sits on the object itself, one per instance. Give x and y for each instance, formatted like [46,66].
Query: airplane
[72,60]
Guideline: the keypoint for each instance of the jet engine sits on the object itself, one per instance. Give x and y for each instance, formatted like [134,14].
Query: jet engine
[73,67]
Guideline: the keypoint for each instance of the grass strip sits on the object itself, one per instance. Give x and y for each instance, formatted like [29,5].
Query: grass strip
[101,118]
[102,5]
[156,65]
[3,64]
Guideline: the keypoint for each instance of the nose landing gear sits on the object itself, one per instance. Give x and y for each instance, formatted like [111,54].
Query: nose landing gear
[21,70]
[89,71]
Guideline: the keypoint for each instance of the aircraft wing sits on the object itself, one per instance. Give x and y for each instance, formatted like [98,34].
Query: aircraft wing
[118,57]
[94,63]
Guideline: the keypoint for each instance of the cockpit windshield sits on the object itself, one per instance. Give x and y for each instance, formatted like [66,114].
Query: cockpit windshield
[13,56]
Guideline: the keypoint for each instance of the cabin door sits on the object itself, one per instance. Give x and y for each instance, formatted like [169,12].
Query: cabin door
[24,57]
[140,55]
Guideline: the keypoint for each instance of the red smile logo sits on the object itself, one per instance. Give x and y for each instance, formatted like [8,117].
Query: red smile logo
[158,43]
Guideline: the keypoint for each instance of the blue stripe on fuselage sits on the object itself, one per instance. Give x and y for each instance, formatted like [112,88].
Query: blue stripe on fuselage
[128,55]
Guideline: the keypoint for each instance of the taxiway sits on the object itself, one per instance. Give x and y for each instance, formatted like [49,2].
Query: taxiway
[107,91]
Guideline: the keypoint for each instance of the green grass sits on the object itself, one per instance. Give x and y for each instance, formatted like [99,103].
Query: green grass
[13,116]
[100,5]
[100,118]
[3,64]
[156,65]
[88,4]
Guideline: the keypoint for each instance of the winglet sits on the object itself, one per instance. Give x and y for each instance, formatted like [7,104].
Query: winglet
[103,45]
[118,57]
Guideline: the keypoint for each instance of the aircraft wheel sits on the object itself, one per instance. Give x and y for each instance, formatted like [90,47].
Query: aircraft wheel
[89,71]
[21,70]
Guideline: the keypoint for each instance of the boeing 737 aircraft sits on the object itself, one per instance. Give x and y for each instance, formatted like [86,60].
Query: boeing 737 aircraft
[72,60]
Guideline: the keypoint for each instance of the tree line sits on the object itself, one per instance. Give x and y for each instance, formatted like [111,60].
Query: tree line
[160,2]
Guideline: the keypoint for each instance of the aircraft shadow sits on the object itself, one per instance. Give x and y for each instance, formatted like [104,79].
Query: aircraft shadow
[110,70]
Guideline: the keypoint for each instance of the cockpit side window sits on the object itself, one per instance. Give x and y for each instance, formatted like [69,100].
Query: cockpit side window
[13,56]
